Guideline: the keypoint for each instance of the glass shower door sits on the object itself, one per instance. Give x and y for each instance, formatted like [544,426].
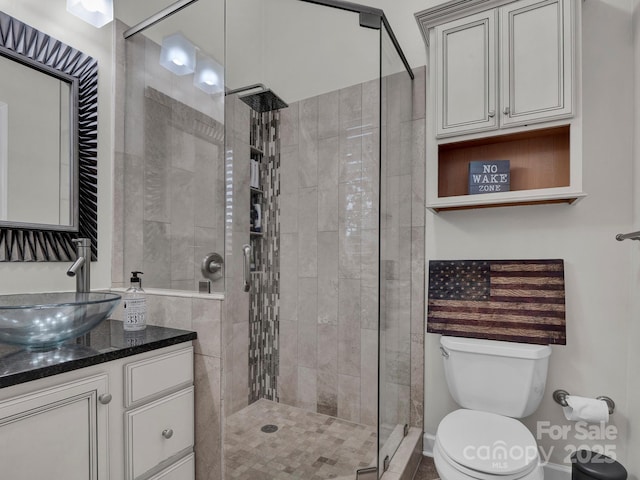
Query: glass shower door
[395,252]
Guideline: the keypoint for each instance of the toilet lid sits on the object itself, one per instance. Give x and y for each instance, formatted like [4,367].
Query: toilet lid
[488,443]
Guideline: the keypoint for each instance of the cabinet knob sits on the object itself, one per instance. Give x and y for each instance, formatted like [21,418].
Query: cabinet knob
[167,433]
[492,113]
[506,111]
[105,398]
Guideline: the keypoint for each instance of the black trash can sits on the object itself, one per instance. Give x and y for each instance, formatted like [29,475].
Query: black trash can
[588,465]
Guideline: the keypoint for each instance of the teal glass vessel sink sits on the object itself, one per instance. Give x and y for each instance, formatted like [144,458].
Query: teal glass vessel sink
[41,321]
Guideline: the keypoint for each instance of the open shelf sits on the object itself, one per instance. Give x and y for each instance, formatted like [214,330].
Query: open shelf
[256,150]
[538,159]
[540,170]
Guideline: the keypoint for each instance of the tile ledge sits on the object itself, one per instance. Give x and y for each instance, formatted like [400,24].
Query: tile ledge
[174,293]
[403,464]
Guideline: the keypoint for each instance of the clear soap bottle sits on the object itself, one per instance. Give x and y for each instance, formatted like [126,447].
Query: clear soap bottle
[135,305]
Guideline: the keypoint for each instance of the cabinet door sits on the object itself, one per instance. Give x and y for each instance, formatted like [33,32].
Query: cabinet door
[536,61]
[58,433]
[465,63]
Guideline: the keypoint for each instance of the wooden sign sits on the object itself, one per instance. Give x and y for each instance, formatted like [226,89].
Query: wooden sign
[489,176]
[510,300]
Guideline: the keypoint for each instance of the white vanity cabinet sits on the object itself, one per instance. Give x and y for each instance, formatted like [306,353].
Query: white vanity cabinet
[57,432]
[127,419]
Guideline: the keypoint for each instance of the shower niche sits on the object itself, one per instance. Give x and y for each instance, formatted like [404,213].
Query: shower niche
[256,204]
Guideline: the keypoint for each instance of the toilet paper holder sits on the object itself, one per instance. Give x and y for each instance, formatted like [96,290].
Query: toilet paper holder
[560,396]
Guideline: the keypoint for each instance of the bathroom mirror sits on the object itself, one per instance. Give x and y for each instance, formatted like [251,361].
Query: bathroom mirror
[48,145]
[33,102]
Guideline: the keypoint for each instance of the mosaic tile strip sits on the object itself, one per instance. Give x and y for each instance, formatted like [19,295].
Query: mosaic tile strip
[264,304]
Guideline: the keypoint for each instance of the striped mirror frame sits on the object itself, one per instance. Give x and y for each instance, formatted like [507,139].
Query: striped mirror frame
[47,243]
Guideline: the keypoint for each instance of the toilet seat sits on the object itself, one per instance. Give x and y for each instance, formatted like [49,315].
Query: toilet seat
[449,471]
[486,446]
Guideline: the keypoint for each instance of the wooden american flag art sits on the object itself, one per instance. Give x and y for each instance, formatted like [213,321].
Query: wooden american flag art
[510,300]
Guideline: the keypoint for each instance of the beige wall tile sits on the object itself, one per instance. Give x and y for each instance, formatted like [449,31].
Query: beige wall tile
[208,418]
[308,232]
[289,125]
[307,388]
[308,143]
[328,114]
[369,377]
[349,398]
[349,312]
[327,383]
[207,322]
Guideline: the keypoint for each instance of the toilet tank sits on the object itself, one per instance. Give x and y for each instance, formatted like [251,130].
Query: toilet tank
[499,377]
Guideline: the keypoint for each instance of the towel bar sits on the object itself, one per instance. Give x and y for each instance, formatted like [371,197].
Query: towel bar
[628,236]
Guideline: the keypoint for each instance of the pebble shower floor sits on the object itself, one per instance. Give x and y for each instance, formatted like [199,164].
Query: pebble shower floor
[306,445]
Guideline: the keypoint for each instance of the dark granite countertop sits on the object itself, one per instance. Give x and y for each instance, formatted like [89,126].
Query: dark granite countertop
[107,342]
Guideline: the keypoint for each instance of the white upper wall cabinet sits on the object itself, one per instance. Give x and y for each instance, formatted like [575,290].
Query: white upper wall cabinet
[503,67]
[536,61]
[503,83]
[465,59]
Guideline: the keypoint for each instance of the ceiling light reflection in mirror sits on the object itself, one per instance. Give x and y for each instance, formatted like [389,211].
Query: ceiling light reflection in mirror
[208,75]
[96,12]
[179,56]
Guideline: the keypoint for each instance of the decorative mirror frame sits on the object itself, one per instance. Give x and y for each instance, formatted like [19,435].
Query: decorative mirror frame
[33,243]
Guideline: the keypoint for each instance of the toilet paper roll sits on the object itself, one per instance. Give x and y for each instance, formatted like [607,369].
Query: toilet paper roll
[587,409]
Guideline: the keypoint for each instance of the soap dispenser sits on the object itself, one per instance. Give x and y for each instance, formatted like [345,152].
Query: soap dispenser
[135,305]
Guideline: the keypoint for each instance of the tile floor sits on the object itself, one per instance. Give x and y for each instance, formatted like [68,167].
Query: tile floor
[426,470]
[307,445]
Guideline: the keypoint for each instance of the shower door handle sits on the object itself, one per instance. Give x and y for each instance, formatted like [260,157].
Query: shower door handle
[246,271]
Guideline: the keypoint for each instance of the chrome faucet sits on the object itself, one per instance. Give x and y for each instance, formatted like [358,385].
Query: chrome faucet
[81,268]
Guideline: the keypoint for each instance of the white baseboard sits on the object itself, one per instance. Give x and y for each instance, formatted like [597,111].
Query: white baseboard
[428,442]
[552,471]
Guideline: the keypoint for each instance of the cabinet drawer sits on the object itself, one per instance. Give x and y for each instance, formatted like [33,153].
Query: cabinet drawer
[158,431]
[155,376]
[181,470]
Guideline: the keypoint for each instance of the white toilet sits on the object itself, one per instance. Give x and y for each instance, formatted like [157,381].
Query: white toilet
[495,383]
